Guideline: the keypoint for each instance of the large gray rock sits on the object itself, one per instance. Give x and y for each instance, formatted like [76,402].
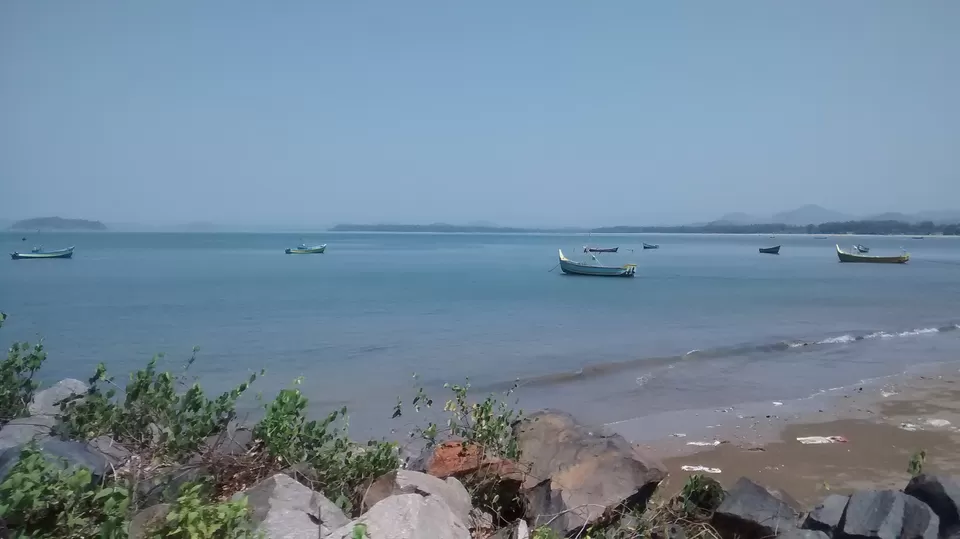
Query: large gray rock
[282,507]
[826,516]
[407,516]
[63,452]
[888,514]
[231,442]
[750,510]
[163,484]
[22,431]
[583,475]
[47,402]
[794,533]
[449,491]
[942,494]
[146,521]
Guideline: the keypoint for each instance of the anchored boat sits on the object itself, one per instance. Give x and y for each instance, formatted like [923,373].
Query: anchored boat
[770,250]
[304,250]
[38,252]
[845,256]
[600,249]
[571,267]
[651,246]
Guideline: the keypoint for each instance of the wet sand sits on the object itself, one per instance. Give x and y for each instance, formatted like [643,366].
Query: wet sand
[883,423]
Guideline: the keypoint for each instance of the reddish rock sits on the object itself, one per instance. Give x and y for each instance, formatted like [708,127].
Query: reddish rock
[456,459]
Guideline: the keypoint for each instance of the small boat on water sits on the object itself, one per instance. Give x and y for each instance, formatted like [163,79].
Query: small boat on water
[600,249]
[304,250]
[571,267]
[38,252]
[861,248]
[820,237]
[918,237]
[770,250]
[650,246]
[845,256]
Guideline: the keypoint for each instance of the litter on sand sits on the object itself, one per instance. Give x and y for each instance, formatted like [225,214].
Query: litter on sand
[679,435]
[705,444]
[910,427]
[938,423]
[777,403]
[699,468]
[822,440]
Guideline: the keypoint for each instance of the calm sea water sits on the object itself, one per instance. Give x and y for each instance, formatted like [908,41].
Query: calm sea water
[707,322]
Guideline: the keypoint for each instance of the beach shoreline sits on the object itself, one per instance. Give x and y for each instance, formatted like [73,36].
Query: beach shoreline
[878,424]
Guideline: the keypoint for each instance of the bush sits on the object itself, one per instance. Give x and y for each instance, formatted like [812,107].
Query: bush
[192,517]
[152,416]
[17,385]
[43,499]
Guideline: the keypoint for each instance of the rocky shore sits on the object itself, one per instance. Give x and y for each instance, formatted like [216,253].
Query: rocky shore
[573,480]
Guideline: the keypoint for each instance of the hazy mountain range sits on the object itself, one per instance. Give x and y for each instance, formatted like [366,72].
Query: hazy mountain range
[813,214]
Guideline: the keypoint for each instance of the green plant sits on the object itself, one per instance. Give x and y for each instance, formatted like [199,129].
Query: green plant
[43,499]
[17,385]
[700,493]
[340,467]
[194,517]
[917,460]
[359,531]
[152,416]
[543,532]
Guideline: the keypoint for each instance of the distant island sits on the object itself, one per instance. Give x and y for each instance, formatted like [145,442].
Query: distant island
[57,223]
[443,227]
[885,228]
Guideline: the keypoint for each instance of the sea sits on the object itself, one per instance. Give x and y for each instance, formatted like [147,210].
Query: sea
[708,322]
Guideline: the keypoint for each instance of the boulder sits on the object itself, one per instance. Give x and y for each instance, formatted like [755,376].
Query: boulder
[163,484]
[65,452]
[23,430]
[407,516]
[449,491]
[144,522]
[826,517]
[942,494]
[794,533]
[888,514]
[750,510]
[585,476]
[282,507]
[232,442]
[456,459]
[47,402]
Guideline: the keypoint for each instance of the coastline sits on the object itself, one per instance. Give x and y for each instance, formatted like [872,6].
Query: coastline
[883,422]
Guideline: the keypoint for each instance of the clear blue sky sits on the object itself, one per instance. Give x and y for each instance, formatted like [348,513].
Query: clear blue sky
[531,113]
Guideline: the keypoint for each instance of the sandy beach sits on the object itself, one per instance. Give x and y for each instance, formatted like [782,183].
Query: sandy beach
[880,425]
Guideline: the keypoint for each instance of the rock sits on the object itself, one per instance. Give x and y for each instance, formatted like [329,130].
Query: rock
[144,522]
[407,516]
[480,521]
[826,516]
[888,514]
[232,442]
[282,507]
[47,402]
[22,430]
[518,530]
[942,494]
[163,485]
[117,454]
[77,454]
[586,475]
[750,510]
[456,459]
[794,533]
[449,491]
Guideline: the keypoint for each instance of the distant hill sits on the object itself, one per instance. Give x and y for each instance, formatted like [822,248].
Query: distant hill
[444,227]
[740,218]
[809,214]
[57,223]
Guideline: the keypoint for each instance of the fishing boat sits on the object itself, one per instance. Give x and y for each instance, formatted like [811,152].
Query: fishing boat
[819,237]
[861,248]
[770,250]
[304,250]
[600,249]
[845,256]
[918,237]
[571,267]
[650,246]
[38,252]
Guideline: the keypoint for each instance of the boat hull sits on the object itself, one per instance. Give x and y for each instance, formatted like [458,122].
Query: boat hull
[851,257]
[770,250]
[309,251]
[570,267]
[62,253]
[601,249]
[648,246]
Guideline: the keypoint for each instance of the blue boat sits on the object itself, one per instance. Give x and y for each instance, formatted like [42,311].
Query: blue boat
[580,268]
[304,250]
[651,246]
[38,253]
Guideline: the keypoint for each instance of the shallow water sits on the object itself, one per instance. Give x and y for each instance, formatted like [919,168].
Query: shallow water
[707,322]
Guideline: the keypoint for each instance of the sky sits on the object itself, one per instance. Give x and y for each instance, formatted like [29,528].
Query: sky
[534,113]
